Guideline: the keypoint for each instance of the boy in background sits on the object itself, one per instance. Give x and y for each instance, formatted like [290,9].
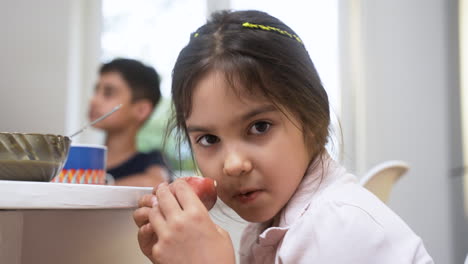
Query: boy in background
[135,86]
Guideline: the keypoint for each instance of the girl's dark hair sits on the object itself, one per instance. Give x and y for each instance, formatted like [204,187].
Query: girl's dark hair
[266,58]
[143,80]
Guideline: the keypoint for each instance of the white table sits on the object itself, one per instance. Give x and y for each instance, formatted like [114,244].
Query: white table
[68,223]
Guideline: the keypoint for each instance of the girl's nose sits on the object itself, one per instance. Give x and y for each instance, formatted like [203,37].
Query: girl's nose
[236,165]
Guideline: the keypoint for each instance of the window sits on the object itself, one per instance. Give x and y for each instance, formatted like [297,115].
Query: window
[152,31]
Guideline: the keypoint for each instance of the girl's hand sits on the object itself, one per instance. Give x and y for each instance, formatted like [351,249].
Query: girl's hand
[184,230]
[146,236]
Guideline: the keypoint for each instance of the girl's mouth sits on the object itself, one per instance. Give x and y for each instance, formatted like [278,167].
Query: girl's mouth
[248,196]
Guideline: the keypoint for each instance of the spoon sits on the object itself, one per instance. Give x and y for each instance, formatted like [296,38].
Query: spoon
[96,120]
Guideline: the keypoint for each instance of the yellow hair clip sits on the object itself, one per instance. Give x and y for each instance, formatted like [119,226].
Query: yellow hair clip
[270,28]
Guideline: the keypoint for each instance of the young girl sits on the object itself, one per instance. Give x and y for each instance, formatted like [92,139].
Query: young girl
[252,106]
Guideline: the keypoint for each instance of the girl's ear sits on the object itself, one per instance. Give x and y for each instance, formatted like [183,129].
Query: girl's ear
[143,110]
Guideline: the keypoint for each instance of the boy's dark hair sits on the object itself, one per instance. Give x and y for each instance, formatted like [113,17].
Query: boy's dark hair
[143,80]
[265,56]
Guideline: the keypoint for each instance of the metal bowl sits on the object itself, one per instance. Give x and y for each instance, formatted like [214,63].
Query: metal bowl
[32,157]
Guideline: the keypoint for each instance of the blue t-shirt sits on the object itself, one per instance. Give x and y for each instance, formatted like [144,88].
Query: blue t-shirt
[138,164]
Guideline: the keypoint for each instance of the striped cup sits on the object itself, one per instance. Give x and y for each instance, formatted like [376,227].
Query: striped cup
[86,164]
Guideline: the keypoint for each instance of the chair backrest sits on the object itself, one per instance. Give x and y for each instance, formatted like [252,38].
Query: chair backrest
[381,178]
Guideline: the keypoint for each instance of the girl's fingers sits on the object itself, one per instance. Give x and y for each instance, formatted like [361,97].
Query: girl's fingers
[147,200]
[147,239]
[155,188]
[167,201]
[156,220]
[140,216]
[186,196]
[146,229]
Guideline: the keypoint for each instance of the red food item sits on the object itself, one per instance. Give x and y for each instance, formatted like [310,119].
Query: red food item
[205,188]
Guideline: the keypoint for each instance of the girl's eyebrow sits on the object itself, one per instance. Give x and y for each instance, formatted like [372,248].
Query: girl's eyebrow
[244,117]
[191,129]
[258,111]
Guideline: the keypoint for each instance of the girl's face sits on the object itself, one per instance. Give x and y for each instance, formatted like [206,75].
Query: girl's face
[256,153]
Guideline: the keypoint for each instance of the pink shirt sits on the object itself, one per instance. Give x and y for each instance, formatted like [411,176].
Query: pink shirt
[334,220]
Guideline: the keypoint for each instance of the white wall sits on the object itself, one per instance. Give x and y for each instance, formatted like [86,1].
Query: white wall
[34,52]
[401,102]
[48,58]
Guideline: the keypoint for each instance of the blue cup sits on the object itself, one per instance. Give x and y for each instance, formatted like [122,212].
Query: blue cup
[86,164]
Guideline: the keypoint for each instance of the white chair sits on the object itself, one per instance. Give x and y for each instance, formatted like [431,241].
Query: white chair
[381,178]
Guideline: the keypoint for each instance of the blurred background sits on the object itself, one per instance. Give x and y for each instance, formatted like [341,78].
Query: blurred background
[394,72]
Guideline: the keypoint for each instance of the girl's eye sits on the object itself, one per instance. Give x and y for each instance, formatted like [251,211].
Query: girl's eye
[260,128]
[207,140]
